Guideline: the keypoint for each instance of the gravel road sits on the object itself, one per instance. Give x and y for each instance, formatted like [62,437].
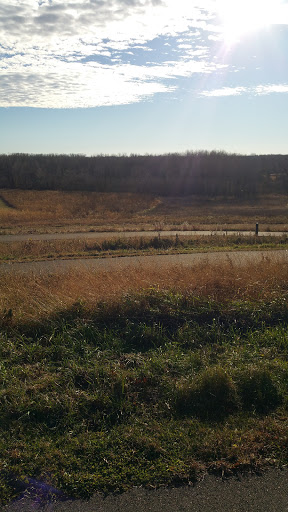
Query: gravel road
[128,234]
[142,262]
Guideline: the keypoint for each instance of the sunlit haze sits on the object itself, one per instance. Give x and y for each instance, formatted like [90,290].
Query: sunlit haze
[239,17]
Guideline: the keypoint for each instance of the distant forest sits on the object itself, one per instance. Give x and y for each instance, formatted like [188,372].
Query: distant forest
[202,173]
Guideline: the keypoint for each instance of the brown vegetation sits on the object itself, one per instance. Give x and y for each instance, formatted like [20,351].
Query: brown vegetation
[100,247]
[32,297]
[56,209]
[50,211]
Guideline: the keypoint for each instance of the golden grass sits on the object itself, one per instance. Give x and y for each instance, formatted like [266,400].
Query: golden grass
[33,297]
[48,211]
[42,249]
[49,208]
[102,246]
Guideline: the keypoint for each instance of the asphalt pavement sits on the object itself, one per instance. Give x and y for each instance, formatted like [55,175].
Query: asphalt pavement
[267,492]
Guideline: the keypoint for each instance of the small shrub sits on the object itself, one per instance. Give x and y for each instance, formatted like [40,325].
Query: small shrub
[211,396]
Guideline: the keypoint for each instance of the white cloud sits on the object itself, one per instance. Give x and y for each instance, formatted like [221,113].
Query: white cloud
[71,88]
[53,52]
[224,91]
[29,23]
[83,53]
[213,37]
[271,88]
[50,84]
[252,91]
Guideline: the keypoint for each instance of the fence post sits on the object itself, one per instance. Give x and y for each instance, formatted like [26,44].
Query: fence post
[257,229]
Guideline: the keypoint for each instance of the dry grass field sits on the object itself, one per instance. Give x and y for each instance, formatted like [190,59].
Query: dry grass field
[40,250]
[39,296]
[49,211]
[145,376]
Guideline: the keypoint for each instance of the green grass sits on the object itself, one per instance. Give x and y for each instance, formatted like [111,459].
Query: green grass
[152,390]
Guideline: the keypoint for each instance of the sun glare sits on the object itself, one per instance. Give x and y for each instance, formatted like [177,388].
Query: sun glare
[239,17]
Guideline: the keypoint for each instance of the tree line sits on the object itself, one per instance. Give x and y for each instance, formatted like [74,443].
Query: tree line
[202,173]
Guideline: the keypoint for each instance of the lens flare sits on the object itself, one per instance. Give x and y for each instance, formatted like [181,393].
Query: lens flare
[238,18]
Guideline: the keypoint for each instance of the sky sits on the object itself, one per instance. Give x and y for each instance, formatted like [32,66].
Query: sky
[143,76]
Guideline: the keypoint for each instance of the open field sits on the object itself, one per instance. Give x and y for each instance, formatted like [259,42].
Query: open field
[147,375]
[50,211]
[110,380]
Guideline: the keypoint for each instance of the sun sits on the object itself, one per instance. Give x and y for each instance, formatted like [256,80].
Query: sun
[239,17]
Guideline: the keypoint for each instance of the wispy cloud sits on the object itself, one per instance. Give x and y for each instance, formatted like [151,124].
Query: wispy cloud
[71,88]
[55,85]
[80,53]
[119,20]
[252,91]
[271,88]
[86,53]
[224,91]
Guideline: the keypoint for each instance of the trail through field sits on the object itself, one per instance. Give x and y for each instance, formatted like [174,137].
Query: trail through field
[129,234]
[143,262]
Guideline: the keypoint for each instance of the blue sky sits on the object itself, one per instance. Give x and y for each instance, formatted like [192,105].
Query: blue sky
[143,76]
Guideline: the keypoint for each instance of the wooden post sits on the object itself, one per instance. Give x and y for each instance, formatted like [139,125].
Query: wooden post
[257,229]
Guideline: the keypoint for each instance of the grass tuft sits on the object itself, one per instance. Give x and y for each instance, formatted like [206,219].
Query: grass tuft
[257,390]
[211,396]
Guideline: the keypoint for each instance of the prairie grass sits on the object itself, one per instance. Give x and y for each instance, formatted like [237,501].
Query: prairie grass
[32,209]
[48,211]
[47,249]
[40,295]
[111,380]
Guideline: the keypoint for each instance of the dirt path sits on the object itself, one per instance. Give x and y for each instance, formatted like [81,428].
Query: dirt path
[128,234]
[160,261]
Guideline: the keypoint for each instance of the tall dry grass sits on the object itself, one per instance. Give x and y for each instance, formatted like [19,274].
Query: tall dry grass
[50,207]
[32,297]
[80,247]
[50,210]
[42,249]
